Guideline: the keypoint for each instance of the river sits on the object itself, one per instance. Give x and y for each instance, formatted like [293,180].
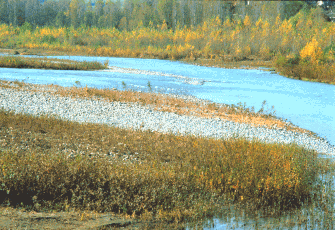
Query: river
[309,105]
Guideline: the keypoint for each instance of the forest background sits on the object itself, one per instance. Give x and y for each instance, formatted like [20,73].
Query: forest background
[295,37]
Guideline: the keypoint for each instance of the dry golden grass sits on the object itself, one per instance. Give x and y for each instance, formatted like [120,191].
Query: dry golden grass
[45,63]
[49,164]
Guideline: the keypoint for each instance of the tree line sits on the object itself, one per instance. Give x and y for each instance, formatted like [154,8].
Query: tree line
[130,14]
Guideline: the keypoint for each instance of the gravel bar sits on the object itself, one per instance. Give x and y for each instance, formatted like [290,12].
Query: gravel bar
[135,116]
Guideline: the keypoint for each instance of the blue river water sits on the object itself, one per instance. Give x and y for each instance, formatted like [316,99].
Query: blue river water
[308,105]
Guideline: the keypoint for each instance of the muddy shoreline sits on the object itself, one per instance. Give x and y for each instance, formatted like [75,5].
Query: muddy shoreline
[12,218]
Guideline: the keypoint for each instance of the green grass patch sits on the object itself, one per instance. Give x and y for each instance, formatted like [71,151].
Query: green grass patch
[45,63]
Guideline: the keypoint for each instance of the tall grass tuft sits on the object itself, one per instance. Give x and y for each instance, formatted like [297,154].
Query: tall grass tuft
[47,163]
[44,63]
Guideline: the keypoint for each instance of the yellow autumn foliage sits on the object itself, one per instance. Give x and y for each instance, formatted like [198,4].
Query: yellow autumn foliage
[312,51]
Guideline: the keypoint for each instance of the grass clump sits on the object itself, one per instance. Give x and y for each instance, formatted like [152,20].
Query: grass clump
[44,63]
[47,163]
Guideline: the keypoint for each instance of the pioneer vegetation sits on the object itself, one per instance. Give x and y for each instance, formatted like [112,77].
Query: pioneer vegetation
[46,63]
[47,164]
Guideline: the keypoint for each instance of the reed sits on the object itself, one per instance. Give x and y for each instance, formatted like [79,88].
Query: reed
[45,63]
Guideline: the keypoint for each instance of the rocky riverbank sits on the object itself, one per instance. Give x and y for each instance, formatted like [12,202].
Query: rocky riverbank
[135,116]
